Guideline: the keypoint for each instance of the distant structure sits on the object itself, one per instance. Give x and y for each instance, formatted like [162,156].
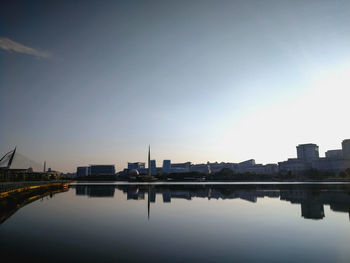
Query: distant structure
[334,154]
[15,165]
[153,167]
[308,158]
[201,168]
[96,170]
[307,152]
[149,161]
[166,166]
[169,167]
[137,165]
[82,171]
[7,159]
[346,149]
[133,173]
[248,166]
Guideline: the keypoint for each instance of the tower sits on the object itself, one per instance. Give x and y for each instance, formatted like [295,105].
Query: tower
[307,152]
[346,149]
[149,160]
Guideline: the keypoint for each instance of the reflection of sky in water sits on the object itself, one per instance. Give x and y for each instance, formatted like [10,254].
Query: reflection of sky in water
[82,228]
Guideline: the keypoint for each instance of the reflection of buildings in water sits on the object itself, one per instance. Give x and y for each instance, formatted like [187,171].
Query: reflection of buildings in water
[153,195]
[312,209]
[95,190]
[312,201]
[133,193]
[166,196]
[311,198]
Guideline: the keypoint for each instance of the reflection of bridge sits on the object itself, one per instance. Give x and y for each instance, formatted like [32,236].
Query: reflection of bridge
[312,198]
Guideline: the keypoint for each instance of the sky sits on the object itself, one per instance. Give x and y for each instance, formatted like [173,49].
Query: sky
[96,82]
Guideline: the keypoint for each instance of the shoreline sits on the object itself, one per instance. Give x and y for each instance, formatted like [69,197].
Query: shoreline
[205,182]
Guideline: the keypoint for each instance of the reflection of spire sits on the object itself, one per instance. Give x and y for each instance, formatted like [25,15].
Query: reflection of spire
[149,160]
[148,201]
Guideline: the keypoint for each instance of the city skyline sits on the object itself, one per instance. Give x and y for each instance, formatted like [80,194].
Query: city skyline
[303,152]
[90,83]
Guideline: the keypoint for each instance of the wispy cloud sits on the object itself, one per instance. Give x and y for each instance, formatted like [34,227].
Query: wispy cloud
[12,46]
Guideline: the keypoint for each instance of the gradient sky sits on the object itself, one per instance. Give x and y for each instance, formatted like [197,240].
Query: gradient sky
[85,82]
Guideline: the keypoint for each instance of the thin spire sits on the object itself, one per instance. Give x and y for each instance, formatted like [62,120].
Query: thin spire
[149,160]
[148,201]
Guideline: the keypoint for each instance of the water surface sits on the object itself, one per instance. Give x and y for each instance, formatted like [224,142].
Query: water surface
[183,223]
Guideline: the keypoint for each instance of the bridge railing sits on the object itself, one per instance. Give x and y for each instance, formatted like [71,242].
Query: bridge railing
[8,186]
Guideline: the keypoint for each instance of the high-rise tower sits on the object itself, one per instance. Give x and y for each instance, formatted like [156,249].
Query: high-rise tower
[307,152]
[346,149]
[149,160]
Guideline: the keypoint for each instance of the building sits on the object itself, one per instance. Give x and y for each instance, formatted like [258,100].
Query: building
[271,168]
[334,154]
[308,158]
[247,163]
[331,164]
[217,167]
[180,167]
[201,168]
[153,167]
[169,167]
[346,149]
[82,171]
[185,165]
[248,166]
[166,166]
[294,165]
[99,170]
[137,165]
[307,152]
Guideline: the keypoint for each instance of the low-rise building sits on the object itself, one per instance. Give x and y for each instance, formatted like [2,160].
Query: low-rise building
[294,165]
[169,167]
[95,170]
[331,164]
[136,165]
[82,171]
[334,154]
[102,169]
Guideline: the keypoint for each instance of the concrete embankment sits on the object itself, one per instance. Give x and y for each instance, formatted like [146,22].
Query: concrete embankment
[18,194]
[8,189]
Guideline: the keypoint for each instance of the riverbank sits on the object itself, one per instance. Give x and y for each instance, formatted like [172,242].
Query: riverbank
[8,189]
[12,200]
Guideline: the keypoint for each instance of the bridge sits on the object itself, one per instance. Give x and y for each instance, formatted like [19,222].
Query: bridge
[21,176]
[15,160]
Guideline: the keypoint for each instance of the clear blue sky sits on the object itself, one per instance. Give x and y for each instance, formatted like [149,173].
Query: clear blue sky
[85,82]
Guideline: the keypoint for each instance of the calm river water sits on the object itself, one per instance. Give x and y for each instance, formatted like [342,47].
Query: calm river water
[182,223]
